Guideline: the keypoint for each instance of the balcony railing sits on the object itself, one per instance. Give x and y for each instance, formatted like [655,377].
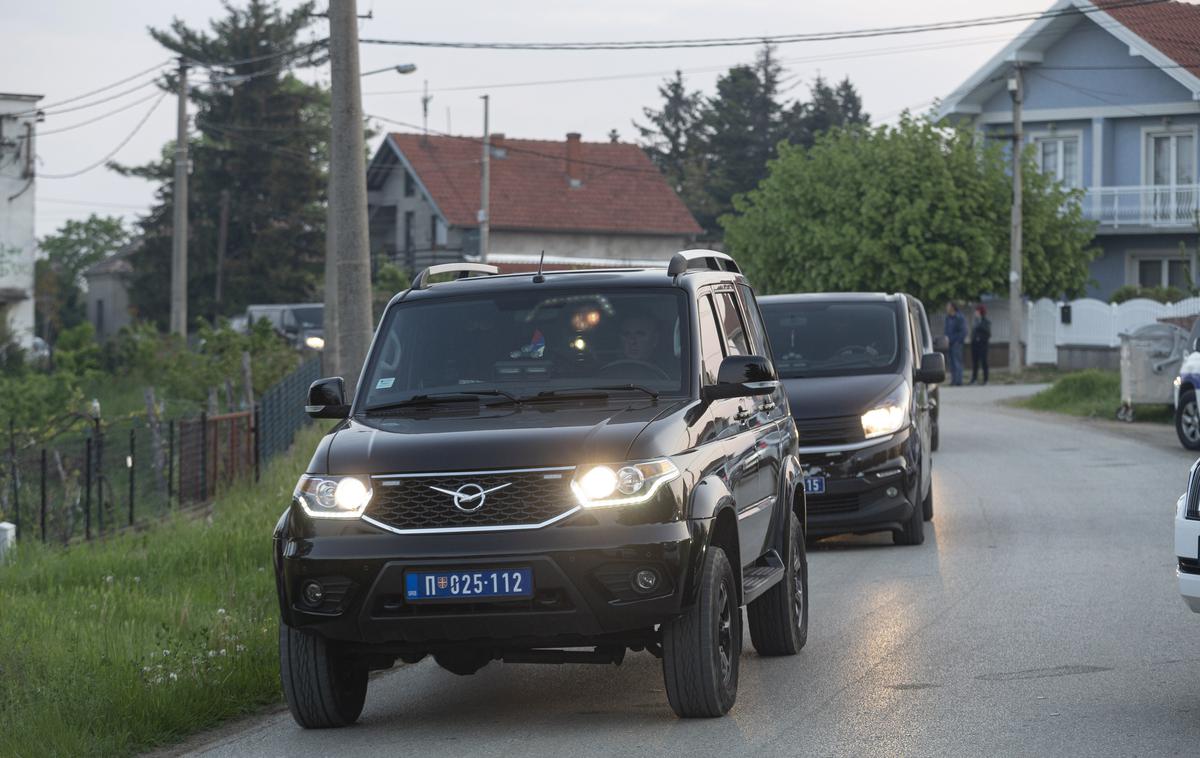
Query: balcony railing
[1143,206]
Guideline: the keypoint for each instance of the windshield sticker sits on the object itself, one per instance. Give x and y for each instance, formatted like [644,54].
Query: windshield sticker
[384,384]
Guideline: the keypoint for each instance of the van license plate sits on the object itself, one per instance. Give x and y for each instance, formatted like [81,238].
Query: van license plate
[468,585]
[814,485]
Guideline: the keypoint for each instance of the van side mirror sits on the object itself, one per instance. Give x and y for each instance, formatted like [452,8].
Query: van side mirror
[742,376]
[933,368]
[941,344]
[327,398]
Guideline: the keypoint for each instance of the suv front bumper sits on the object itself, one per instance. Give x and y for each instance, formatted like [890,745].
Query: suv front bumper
[1187,553]
[582,572]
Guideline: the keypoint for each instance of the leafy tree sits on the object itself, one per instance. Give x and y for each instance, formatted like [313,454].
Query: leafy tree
[913,208]
[58,276]
[262,138]
[389,280]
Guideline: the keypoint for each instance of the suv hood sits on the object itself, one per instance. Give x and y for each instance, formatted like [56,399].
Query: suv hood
[564,433]
[828,396]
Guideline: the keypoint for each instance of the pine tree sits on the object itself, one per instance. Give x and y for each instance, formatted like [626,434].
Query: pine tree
[262,135]
[828,107]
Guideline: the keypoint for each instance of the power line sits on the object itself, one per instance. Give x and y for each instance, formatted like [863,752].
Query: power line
[115,150]
[97,203]
[268,56]
[850,55]
[778,39]
[122,109]
[105,88]
[102,101]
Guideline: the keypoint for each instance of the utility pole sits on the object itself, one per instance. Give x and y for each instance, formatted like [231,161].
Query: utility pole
[348,193]
[222,241]
[1015,303]
[330,364]
[485,189]
[179,232]
[425,98]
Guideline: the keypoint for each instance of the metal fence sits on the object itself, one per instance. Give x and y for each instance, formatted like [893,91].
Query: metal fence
[114,475]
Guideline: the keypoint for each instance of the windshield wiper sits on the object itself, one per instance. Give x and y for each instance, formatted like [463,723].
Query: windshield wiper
[581,392]
[439,398]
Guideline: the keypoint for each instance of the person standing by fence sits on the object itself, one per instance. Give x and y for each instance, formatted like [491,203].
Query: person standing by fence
[981,336]
[956,334]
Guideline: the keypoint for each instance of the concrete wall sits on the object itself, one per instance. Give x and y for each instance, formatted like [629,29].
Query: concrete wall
[618,247]
[17,244]
[1078,357]
[107,304]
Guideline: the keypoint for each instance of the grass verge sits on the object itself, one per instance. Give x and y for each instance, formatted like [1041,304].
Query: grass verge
[1092,394]
[114,647]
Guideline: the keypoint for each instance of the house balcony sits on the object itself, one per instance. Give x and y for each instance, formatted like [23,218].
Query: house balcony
[1143,208]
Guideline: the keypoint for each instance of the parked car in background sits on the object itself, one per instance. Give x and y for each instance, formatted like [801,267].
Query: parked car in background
[550,468]
[1187,413]
[859,382]
[1187,540]
[301,323]
[930,344]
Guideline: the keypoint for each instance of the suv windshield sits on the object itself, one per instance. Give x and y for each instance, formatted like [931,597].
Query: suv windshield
[832,338]
[309,317]
[531,341]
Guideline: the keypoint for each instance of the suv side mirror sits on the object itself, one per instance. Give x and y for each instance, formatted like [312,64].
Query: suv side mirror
[742,376]
[933,368]
[1195,346]
[941,343]
[327,398]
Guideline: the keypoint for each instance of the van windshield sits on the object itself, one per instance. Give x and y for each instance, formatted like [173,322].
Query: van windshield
[833,338]
[532,341]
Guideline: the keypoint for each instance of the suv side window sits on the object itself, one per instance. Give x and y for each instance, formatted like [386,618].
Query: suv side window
[758,340]
[731,324]
[711,352]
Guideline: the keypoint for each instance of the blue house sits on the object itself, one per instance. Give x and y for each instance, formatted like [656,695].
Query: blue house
[1111,103]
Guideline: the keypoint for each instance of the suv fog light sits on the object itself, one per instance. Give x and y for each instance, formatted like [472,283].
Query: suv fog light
[892,491]
[645,580]
[313,593]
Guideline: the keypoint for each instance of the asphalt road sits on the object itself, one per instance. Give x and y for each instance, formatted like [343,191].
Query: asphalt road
[1040,617]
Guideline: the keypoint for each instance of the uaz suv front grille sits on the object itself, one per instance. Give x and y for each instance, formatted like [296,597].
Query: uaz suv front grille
[835,430]
[524,498]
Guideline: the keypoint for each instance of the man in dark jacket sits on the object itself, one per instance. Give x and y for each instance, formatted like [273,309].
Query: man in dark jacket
[981,335]
[956,334]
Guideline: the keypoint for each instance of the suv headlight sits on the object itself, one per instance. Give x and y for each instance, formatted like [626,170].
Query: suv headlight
[621,484]
[333,496]
[889,415]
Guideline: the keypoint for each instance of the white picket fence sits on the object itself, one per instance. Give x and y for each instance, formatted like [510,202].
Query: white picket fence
[1093,323]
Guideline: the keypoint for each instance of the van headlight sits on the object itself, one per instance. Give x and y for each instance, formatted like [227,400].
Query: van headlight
[890,415]
[621,484]
[333,496]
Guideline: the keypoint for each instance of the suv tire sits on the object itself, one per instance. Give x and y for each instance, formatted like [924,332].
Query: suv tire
[323,689]
[913,532]
[1187,420]
[701,648]
[927,504]
[778,619]
[933,436]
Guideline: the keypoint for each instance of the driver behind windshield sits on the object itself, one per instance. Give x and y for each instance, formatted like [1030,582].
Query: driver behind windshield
[639,337]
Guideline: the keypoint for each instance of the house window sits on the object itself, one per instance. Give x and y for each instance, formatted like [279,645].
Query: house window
[410,184]
[1059,157]
[100,316]
[1165,272]
[410,220]
[1170,159]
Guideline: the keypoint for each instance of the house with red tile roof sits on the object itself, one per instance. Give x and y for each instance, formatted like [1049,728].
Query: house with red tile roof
[585,204]
[1111,105]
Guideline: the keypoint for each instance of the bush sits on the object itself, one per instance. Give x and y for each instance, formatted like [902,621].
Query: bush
[1159,294]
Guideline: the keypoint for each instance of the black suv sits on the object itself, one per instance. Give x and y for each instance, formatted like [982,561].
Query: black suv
[534,464]
[859,379]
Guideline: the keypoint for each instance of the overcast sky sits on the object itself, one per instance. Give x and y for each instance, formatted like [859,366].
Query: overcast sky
[62,48]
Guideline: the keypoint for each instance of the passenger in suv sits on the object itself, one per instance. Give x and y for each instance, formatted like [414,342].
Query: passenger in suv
[517,476]
[859,382]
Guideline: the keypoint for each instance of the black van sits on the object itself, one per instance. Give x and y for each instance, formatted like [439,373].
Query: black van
[858,380]
[549,468]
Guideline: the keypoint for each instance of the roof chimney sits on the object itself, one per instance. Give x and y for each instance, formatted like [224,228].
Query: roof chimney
[574,151]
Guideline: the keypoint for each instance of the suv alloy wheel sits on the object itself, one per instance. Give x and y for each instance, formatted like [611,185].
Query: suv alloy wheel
[778,619]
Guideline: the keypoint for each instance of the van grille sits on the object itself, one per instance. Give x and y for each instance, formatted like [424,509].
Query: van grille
[835,430]
[523,498]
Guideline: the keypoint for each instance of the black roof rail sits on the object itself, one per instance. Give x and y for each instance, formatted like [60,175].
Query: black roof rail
[706,259]
[464,270]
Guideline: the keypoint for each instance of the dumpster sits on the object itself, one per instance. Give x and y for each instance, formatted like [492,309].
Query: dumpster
[1150,360]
